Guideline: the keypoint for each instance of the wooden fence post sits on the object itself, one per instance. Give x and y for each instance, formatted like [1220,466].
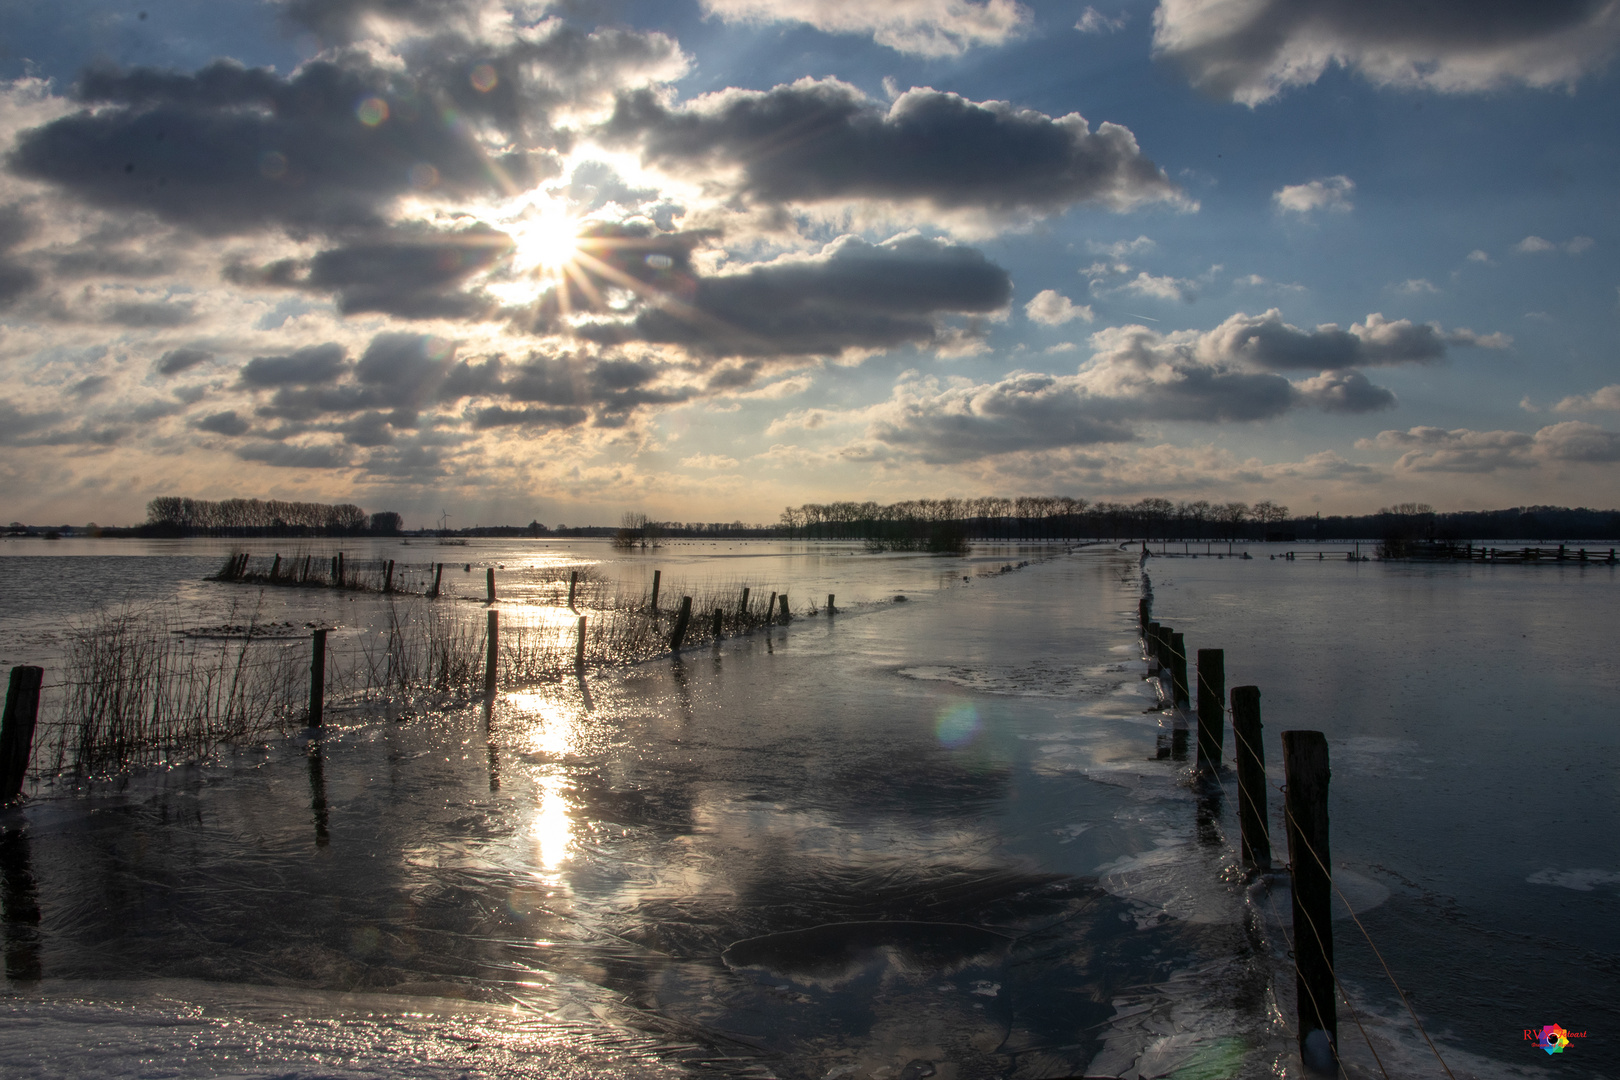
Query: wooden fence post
[1250,750]
[335,564]
[770,609]
[438,575]
[17,729]
[787,616]
[1305,762]
[388,577]
[492,650]
[573,583]
[742,608]
[275,569]
[1211,709]
[681,621]
[657,579]
[340,568]
[304,575]
[579,647]
[1178,671]
[717,617]
[829,603]
[489,584]
[1144,613]
[1150,642]
[317,678]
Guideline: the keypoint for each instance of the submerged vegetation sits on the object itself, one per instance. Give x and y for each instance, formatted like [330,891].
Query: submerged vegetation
[142,687]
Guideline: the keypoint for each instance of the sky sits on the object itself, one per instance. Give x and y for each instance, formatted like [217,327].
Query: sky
[704,259]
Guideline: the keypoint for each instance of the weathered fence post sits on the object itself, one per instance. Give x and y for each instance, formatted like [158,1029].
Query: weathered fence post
[1144,613]
[1211,709]
[742,608]
[275,569]
[573,583]
[1178,671]
[1250,751]
[438,574]
[317,678]
[335,565]
[829,603]
[717,616]
[388,577]
[1305,762]
[678,635]
[489,585]
[17,729]
[770,609]
[787,616]
[492,650]
[304,574]
[579,647]
[340,569]
[658,576]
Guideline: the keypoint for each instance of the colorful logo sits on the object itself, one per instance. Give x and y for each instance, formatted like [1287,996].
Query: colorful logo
[1553,1038]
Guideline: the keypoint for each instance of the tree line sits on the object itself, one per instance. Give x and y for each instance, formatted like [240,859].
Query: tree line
[945,523]
[178,516]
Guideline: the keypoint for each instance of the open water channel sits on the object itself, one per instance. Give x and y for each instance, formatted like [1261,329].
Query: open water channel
[930,837]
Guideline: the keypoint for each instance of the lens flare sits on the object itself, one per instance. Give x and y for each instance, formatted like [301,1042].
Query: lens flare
[372,111]
[958,725]
[483,78]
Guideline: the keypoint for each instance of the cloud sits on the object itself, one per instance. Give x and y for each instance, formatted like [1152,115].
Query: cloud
[1251,50]
[1535,245]
[1119,249]
[823,141]
[1266,341]
[851,295]
[409,273]
[1461,450]
[1051,308]
[311,365]
[175,361]
[1480,257]
[1346,392]
[709,461]
[1605,400]
[1162,288]
[339,141]
[1093,21]
[150,315]
[223,423]
[292,456]
[1023,411]
[1330,193]
[923,27]
[1415,287]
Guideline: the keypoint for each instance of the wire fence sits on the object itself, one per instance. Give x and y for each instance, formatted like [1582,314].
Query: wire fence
[1322,935]
[144,687]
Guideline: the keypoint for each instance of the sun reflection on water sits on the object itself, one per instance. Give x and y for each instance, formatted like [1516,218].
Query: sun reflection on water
[541,725]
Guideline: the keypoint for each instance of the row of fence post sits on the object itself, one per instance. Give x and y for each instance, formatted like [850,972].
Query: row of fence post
[1305,811]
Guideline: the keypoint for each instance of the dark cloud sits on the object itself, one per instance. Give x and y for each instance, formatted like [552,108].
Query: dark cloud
[150,315]
[1021,412]
[853,295]
[1249,52]
[413,275]
[499,416]
[231,149]
[16,280]
[89,386]
[1346,392]
[291,456]
[349,20]
[311,365]
[821,141]
[1265,341]
[175,361]
[223,423]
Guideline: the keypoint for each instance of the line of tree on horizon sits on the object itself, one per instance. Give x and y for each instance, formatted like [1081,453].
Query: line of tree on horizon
[946,523]
[178,516]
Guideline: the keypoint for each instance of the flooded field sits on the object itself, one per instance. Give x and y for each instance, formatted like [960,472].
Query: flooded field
[922,837]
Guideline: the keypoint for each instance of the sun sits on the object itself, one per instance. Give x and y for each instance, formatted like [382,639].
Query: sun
[546,240]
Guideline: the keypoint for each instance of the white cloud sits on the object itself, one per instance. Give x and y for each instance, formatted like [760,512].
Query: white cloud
[1535,245]
[1330,193]
[1162,288]
[1121,248]
[923,27]
[1461,450]
[1251,50]
[1415,287]
[709,461]
[1480,257]
[1605,400]
[1093,21]
[1052,308]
